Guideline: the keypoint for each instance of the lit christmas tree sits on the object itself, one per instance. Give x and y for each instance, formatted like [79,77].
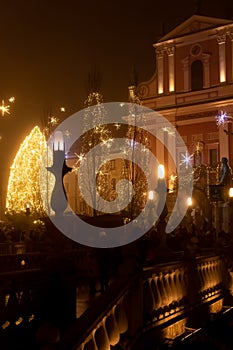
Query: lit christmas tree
[24,188]
[136,137]
[98,182]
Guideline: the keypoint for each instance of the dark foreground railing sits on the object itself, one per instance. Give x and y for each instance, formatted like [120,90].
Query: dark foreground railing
[37,288]
[154,306]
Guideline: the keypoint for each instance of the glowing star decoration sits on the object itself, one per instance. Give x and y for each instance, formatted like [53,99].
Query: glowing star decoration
[107,142]
[53,121]
[186,159]
[62,109]
[165,129]
[46,131]
[23,185]
[80,157]
[4,108]
[12,99]
[222,118]
[117,126]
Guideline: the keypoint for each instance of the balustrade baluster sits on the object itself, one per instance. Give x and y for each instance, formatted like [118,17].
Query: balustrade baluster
[168,289]
[173,286]
[121,318]
[207,280]
[148,298]
[112,329]
[101,338]
[215,273]
[208,276]
[163,290]
[178,284]
[90,344]
[212,277]
[156,293]
[219,270]
[182,278]
[202,277]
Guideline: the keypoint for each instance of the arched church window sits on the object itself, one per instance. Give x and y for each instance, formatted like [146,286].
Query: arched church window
[197,75]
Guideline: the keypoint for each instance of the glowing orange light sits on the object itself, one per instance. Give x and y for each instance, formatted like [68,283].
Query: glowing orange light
[4,109]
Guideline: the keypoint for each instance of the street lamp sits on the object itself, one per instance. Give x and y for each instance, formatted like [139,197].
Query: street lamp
[59,169]
[161,172]
[189,201]
[151,195]
[162,193]
[231,192]
[230,210]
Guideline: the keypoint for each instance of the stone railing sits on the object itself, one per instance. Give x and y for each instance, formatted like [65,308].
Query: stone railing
[34,288]
[156,304]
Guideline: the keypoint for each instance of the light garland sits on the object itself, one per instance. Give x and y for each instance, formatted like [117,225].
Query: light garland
[100,134]
[135,137]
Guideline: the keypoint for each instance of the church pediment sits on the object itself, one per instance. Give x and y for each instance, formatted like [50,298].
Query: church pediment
[195,24]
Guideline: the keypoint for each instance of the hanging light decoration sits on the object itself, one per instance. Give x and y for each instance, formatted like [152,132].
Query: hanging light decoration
[4,108]
[222,118]
[186,159]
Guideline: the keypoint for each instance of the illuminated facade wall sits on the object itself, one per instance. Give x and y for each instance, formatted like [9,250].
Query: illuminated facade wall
[193,82]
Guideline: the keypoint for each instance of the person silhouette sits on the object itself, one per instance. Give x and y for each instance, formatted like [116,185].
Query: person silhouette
[225,177]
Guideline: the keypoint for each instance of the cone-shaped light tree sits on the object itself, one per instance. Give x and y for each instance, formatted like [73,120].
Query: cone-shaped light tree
[24,192]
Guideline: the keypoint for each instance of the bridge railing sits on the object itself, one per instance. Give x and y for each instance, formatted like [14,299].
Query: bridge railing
[160,299]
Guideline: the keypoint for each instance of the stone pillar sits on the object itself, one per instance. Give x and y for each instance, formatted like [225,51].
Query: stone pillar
[171,68]
[206,64]
[160,64]
[185,63]
[223,142]
[231,37]
[221,39]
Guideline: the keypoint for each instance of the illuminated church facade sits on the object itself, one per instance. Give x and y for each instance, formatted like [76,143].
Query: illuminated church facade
[193,87]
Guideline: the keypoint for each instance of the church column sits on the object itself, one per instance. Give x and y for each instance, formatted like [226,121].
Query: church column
[171,68]
[160,59]
[223,142]
[185,63]
[231,37]
[206,64]
[221,39]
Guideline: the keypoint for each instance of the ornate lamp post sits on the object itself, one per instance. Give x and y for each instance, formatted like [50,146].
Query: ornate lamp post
[58,198]
[162,209]
[230,210]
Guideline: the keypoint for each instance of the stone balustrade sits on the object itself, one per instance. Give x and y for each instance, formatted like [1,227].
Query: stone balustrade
[210,276]
[165,292]
[161,297]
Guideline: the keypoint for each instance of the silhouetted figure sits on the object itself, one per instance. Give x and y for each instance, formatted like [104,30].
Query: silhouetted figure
[225,177]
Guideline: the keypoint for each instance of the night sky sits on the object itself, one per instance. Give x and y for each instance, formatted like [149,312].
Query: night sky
[49,47]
